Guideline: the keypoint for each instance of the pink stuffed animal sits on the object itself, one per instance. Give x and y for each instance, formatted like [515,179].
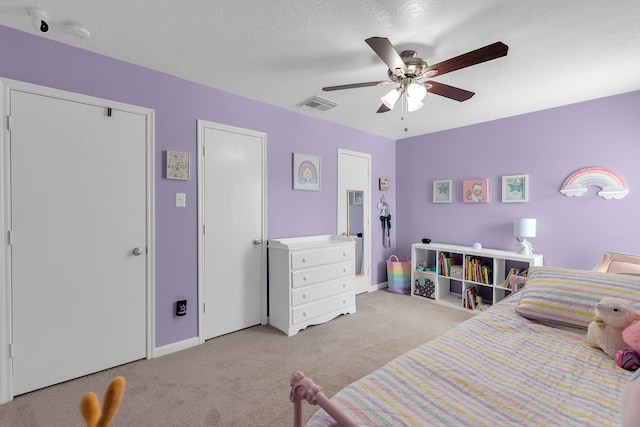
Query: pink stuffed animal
[631,335]
[613,315]
[629,358]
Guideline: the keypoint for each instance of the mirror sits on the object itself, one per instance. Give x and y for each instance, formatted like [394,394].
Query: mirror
[355,224]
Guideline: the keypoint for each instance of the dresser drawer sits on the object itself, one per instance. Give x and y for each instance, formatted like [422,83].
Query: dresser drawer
[314,257]
[318,308]
[321,274]
[313,293]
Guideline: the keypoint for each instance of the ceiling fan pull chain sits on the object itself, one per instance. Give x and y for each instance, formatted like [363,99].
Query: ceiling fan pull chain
[404,103]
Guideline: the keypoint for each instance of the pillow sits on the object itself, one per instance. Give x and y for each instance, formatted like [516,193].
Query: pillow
[568,297]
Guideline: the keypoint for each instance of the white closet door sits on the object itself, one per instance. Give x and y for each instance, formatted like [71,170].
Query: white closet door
[233,259]
[78,183]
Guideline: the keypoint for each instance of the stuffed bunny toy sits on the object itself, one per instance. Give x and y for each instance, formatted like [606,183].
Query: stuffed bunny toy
[612,316]
[90,405]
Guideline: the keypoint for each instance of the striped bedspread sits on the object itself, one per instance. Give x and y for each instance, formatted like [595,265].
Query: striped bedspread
[496,369]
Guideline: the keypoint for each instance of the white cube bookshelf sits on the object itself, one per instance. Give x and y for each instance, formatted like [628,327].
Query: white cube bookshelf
[464,267]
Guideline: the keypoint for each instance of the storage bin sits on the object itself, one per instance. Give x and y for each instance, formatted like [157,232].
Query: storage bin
[399,275]
[425,285]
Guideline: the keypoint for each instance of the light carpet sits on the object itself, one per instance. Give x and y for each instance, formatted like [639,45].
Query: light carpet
[242,379]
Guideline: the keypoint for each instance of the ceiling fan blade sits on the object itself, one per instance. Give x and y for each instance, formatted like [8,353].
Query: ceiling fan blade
[487,53]
[356,85]
[450,92]
[389,55]
[383,109]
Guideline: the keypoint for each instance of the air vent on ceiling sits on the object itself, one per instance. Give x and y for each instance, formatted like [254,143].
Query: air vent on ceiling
[317,104]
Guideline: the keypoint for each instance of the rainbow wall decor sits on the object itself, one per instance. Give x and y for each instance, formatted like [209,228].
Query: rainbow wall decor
[306,172]
[612,185]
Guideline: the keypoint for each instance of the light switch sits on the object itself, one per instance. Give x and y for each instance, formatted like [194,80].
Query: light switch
[181,200]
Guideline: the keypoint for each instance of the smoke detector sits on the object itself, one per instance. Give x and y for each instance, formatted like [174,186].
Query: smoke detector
[77,30]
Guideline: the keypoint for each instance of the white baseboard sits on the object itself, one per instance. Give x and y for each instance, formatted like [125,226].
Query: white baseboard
[175,347]
[379,286]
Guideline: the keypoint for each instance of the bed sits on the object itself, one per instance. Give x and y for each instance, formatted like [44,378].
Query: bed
[525,361]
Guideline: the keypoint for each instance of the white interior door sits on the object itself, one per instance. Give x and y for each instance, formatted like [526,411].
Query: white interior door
[232,215]
[78,210]
[354,174]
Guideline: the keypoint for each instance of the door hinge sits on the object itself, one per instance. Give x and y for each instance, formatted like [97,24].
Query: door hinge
[10,123]
[204,307]
[11,237]
[12,351]
[203,229]
[203,150]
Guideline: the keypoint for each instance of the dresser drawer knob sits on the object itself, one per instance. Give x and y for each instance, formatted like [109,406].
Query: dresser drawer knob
[304,278]
[344,301]
[304,259]
[344,269]
[344,254]
[304,314]
[304,296]
[344,285]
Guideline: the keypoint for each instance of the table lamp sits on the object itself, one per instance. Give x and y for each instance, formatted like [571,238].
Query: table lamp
[523,228]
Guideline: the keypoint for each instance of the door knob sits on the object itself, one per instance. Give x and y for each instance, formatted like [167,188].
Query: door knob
[257,241]
[137,251]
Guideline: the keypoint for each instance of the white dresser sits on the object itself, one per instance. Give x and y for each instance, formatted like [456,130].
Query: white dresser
[311,281]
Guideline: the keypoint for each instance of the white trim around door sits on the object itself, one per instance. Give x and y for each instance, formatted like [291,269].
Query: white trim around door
[360,181]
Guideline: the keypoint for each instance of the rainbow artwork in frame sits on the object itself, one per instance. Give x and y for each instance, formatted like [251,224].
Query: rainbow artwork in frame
[306,172]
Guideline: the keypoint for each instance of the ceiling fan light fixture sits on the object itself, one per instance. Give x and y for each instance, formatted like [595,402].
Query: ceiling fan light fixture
[416,91]
[413,105]
[390,99]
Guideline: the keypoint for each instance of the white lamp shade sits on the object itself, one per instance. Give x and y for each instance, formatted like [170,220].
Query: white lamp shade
[413,105]
[416,91]
[524,227]
[390,99]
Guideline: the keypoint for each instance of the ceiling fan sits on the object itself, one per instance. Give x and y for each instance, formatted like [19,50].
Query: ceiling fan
[409,71]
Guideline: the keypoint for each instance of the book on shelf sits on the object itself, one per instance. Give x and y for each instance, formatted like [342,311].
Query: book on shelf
[480,304]
[478,272]
[515,279]
[446,261]
[469,298]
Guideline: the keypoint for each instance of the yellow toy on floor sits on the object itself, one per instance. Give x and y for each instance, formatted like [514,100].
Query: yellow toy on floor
[90,404]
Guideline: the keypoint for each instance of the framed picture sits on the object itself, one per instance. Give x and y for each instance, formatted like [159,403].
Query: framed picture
[515,188]
[475,190]
[442,191]
[306,172]
[177,165]
[383,184]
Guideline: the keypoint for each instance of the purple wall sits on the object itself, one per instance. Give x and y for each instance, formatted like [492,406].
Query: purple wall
[548,145]
[178,104]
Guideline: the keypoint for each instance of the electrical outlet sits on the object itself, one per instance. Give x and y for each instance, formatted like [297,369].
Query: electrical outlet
[181,308]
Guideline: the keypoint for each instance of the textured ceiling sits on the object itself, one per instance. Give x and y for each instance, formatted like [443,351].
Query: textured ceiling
[282,52]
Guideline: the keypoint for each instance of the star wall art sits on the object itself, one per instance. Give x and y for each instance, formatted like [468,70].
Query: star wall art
[442,191]
[515,188]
